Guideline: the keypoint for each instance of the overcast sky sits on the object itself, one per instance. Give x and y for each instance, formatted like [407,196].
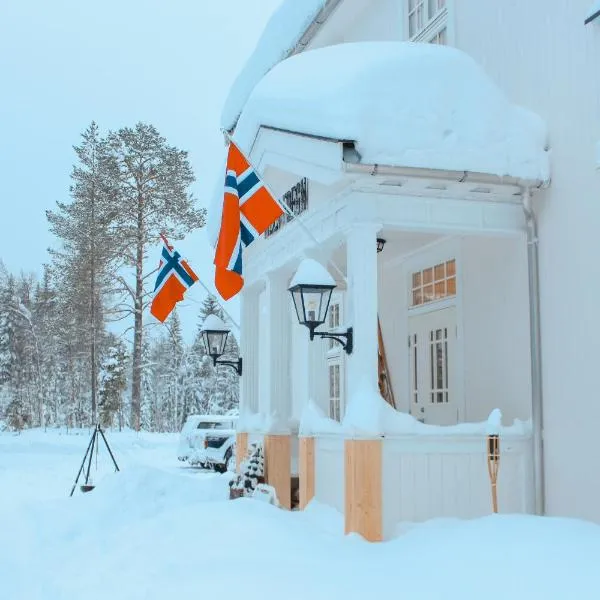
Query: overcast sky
[64,63]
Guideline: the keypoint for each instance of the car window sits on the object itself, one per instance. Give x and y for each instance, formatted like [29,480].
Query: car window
[206,425]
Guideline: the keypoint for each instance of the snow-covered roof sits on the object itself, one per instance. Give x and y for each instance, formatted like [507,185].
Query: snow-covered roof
[404,104]
[282,33]
[593,12]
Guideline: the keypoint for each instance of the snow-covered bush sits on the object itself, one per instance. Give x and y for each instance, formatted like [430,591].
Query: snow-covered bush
[252,472]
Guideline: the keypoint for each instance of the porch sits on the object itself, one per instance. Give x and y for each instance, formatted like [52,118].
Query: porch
[440,316]
[452,309]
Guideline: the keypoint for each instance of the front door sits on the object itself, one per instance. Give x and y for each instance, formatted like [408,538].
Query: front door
[432,360]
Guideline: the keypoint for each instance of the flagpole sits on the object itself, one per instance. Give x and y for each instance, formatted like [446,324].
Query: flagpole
[289,211]
[233,321]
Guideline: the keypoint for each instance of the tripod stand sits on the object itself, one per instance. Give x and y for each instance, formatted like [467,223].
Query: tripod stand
[86,487]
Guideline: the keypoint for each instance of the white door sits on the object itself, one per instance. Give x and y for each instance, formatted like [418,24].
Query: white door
[432,360]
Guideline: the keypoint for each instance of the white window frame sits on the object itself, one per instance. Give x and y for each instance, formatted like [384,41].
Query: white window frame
[432,25]
[335,354]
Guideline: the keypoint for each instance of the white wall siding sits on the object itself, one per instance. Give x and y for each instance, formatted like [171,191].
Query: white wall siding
[430,477]
[495,309]
[329,471]
[544,57]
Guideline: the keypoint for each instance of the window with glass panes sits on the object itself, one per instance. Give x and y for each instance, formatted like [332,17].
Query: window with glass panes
[434,283]
[334,392]
[427,21]
[333,321]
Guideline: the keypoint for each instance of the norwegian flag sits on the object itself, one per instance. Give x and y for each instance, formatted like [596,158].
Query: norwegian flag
[248,211]
[174,278]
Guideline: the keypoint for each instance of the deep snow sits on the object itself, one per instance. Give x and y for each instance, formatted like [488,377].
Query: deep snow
[157,530]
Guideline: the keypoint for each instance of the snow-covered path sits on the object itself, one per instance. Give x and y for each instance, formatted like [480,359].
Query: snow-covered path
[157,531]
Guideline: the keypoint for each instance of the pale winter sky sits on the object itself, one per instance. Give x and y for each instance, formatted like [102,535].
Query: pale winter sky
[67,62]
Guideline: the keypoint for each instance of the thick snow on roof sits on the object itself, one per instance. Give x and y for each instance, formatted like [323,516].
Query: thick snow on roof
[405,104]
[593,11]
[282,33]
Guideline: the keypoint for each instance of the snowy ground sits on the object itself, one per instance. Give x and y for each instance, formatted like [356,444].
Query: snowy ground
[160,531]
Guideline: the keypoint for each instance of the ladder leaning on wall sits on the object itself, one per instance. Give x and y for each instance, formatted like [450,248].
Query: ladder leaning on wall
[385,384]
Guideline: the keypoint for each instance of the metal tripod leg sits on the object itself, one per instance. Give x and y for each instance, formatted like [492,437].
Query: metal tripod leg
[89,467]
[108,448]
[83,463]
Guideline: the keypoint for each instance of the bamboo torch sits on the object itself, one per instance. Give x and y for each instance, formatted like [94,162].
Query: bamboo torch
[493,453]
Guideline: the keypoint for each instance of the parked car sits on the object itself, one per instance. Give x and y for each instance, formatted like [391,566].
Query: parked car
[208,441]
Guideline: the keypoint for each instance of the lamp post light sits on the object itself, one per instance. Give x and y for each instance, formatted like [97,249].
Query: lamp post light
[311,290]
[214,337]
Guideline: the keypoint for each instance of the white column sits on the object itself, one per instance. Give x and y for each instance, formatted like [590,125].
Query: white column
[249,351]
[318,377]
[278,350]
[362,294]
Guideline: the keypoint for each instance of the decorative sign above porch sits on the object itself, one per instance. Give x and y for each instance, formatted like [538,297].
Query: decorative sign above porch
[297,199]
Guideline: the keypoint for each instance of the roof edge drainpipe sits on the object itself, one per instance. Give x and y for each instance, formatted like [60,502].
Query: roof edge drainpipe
[537,407]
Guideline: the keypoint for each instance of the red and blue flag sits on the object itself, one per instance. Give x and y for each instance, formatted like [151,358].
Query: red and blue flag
[249,209]
[174,278]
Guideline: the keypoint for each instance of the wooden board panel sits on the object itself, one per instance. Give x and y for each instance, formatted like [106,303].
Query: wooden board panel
[241,449]
[307,471]
[363,514]
[278,460]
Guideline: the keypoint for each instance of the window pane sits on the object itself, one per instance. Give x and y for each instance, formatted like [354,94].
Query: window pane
[440,290]
[417,298]
[413,27]
[416,280]
[428,293]
[432,6]
[428,276]
[439,272]
[451,268]
[451,286]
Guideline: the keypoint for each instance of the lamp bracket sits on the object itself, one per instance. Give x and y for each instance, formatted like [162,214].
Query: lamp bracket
[347,345]
[236,365]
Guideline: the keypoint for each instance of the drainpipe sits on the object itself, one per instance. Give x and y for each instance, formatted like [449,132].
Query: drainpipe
[537,408]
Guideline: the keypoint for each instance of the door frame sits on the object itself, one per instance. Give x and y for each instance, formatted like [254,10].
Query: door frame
[445,249]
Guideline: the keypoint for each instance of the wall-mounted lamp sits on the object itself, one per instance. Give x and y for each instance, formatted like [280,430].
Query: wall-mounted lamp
[380,244]
[214,337]
[311,290]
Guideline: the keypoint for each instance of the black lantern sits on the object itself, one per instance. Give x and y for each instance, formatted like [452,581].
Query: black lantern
[380,244]
[311,303]
[311,290]
[214,337]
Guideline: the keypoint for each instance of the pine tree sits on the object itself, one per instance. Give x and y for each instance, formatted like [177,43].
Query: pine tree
[113,382]
[252,471]
[85,227]
[153,180]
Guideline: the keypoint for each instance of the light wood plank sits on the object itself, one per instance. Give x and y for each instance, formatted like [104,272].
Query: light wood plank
[278,461]
[307,471]
[241,449]
[363,473]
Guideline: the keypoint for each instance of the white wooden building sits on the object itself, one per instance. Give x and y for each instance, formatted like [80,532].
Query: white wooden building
[485,290]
